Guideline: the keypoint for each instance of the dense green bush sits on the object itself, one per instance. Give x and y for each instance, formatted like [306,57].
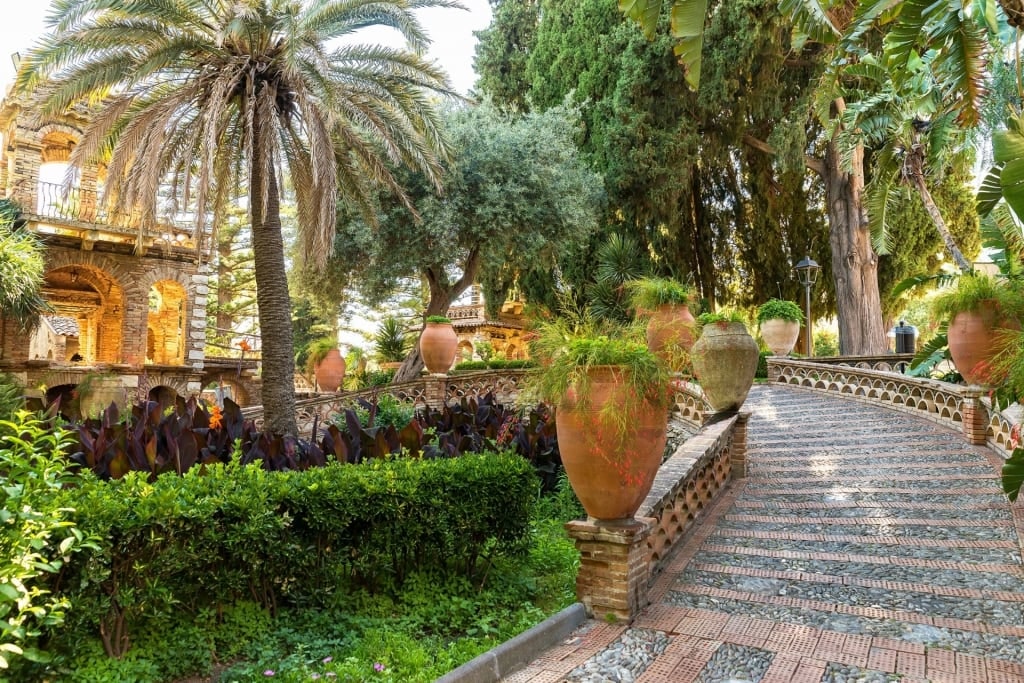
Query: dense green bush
[37,536]
[213,537]
[493,364]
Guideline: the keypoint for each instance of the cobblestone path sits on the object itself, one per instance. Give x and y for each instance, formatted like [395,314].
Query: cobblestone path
[865,545]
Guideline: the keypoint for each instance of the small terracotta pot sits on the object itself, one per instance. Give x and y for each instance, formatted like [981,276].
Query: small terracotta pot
[330,371]
[670,335]
[438,345]
[610,469]
[780,335]
[725,362]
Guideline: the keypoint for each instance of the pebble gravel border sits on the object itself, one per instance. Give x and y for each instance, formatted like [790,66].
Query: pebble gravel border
[624,660]
[734,663]
[839,673]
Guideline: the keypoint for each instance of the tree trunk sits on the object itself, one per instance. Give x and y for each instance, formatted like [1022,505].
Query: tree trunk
[854,262]
[915,168]
[442,295]
[272,298]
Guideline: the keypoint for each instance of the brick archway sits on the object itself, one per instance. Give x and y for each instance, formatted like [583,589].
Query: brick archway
[88,291]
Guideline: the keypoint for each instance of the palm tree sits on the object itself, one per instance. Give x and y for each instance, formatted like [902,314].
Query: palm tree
[22,269]
[199,97]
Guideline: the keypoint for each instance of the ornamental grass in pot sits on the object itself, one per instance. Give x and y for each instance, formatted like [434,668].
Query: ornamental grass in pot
[612,396]
[438,344]
[326,363]
[780,322]
[981,311]
[670,328]
[724,360]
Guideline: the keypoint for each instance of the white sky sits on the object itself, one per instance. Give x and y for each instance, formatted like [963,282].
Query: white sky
[451,30]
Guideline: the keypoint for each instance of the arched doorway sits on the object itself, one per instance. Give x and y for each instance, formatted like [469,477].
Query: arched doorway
[164,395]
[87,305]
[165,324]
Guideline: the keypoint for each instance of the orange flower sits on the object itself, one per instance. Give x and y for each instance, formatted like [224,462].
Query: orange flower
[244,345]
[216,417]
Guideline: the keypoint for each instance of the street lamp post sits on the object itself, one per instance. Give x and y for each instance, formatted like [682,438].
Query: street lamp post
[807,272]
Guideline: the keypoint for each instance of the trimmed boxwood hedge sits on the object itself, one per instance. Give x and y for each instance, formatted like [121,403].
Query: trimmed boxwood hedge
[225,533]
[493,364]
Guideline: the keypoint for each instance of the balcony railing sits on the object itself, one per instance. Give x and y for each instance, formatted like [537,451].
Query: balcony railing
[78,208]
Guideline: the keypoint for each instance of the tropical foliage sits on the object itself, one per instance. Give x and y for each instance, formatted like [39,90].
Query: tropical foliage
[21,270]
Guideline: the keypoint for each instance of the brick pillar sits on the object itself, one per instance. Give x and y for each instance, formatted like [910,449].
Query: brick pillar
[614,566]
[738,448]
[774,370]
[435,387]
[975,416]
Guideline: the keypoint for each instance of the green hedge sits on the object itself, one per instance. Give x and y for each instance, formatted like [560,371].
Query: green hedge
[212,537]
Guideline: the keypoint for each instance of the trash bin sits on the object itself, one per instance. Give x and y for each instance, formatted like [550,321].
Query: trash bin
[906,337]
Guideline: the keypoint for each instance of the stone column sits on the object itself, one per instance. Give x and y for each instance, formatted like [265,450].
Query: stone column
[975,416]
[614,568]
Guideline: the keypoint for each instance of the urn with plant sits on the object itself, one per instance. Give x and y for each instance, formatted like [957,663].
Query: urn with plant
[780,322]
[980,310]
[670,328]
[438,344]
[612,396]
[326,363]
[724,359]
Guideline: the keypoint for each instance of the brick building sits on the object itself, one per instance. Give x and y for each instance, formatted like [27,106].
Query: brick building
[129,304]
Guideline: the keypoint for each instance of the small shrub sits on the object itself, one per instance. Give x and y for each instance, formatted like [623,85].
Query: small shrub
[438,320]
[779,309]
[470,365]
[826,343]
[762,364]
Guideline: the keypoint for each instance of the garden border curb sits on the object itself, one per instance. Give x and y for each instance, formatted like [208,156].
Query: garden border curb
[514,654]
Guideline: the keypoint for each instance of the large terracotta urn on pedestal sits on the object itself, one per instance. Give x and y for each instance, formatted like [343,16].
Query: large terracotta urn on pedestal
[330,371]
[780,335]
[973,341]
[725,361]
[670,334]
[438,345]
[611,464]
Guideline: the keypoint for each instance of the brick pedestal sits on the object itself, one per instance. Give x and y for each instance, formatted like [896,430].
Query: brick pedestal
[975,416]
[614,570]
[738,449]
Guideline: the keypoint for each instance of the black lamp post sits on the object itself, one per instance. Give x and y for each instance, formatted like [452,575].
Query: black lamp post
[807,272]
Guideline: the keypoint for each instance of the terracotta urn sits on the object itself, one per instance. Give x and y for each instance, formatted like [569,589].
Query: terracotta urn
[330,371]
[780,335]
[974,341]
[438,345]
[611,466]
[725,361]
[670,334]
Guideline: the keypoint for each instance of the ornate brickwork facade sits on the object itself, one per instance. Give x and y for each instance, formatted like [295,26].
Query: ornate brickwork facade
[129,303]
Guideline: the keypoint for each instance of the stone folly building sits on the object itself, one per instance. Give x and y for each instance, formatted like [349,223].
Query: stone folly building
[129,308]
[504,333]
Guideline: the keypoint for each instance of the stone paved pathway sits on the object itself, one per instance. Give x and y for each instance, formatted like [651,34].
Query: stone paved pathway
[865,545]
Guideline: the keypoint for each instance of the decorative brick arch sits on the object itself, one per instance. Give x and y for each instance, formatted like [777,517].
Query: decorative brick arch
[105,332]
[56,259]
[50,127]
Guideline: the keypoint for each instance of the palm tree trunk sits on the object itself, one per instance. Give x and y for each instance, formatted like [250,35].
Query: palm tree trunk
[915,164]
[272,298]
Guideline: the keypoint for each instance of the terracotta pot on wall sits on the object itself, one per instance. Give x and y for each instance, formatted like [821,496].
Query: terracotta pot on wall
[780,335]
[973,341]
[610,469]
[330,371]
[438,345]
[670,330]
[725,361]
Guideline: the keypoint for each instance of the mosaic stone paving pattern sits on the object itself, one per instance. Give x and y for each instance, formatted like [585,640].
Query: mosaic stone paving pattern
[864,546]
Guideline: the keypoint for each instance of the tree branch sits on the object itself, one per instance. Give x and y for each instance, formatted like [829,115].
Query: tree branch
[812,163]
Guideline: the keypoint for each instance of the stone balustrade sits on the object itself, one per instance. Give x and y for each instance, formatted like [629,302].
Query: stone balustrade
[964,408]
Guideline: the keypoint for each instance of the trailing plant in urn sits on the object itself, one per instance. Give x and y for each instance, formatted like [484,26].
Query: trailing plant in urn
[780,322]
[326,363]
[611,395]
[670,328]
[980,309]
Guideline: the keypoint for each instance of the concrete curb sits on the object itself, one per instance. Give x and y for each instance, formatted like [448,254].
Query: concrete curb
[514,654]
